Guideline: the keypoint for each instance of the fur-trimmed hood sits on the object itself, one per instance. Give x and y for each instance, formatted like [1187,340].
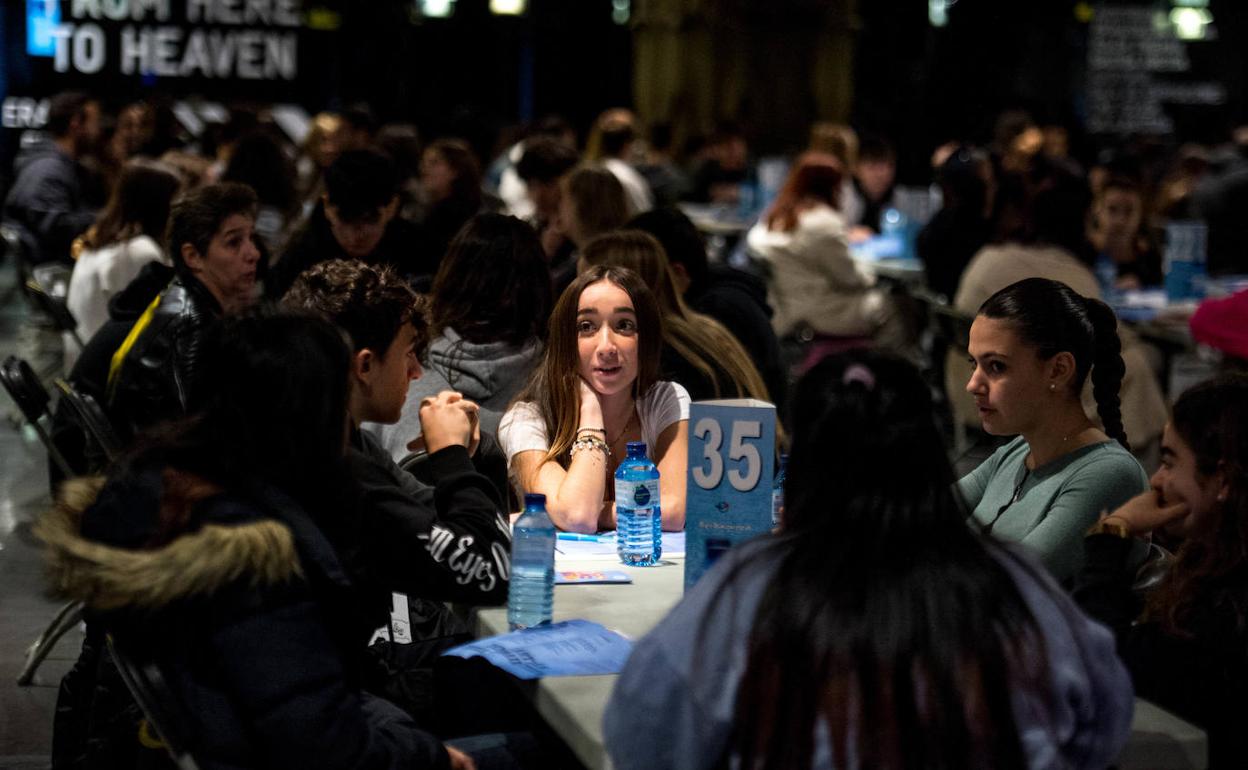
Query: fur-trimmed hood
[195,564]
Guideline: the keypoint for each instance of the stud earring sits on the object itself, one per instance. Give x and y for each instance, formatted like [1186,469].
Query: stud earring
[1052,387]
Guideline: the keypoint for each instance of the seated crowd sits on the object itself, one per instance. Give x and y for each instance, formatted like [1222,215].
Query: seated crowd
[332,399]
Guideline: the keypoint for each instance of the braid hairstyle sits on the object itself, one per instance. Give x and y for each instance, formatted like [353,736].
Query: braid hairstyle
[1053,318]
[1107,369]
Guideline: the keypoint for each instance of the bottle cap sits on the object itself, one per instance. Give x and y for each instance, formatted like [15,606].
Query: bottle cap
[533,498]
[636,447]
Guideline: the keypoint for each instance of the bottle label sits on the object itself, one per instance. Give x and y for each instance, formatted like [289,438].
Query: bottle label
[636,494]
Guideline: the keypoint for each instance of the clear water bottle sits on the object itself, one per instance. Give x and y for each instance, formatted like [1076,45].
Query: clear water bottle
[777,492]
[639,536]
[1106,275]
[531,595]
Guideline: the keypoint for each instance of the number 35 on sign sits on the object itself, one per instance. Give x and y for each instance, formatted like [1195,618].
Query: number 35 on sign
[732,451]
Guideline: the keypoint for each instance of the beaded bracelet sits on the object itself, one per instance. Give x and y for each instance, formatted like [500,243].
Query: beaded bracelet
[589,442]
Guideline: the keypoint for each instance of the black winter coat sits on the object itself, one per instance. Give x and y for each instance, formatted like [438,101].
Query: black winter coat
[249,615]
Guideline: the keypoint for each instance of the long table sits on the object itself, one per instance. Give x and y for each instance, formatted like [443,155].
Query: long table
[574,706]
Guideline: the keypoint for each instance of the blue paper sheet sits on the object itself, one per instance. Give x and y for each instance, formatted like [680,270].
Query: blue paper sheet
[570,648]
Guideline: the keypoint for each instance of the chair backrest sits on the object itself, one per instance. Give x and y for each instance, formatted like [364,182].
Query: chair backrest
[32,399]
[148,688]
[54,308]
[20,245]
[93,420]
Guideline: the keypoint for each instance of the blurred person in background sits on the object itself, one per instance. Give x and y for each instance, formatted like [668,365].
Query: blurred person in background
[259,161]
[126,236]
[450,177]
[53,197]
[320,148]
[733,297]
[964,222]
[841,142]
[542,166]
[591,202]
[401,141]
[613,143]
[875,175]
[1118,233]
[722,165]
[356,218]
[489,305]
[818,292]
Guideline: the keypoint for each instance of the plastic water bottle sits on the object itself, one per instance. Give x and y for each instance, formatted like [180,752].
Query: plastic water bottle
[638,537]
[1185,257]
[1106,275]
[531,595]
[777,492]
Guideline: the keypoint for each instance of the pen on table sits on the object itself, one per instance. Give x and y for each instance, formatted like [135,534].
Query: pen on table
[580,536]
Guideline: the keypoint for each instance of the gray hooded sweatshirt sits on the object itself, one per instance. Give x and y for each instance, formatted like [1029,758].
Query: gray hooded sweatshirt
[489,374]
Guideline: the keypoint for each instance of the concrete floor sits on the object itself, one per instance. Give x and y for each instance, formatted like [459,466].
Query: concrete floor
[25,712]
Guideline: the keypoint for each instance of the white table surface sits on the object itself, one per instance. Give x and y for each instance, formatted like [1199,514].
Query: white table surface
[574,705]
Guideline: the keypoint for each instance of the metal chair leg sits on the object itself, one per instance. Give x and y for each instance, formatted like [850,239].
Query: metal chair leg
[69,616]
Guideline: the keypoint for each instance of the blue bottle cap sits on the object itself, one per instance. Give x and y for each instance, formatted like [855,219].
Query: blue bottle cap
[636,447]
[533,498]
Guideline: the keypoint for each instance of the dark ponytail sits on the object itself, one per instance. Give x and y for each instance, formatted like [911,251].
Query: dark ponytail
[1052,317]
[1107,369]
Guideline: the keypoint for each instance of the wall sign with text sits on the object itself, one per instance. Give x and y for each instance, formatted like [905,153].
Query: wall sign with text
[214,39]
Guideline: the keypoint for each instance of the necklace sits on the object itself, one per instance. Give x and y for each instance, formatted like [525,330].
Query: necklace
[631,416]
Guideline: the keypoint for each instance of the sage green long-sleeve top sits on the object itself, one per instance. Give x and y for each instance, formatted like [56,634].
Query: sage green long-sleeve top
[1056,502]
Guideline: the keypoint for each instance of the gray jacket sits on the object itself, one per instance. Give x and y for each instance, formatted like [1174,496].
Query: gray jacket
[489,374]
[48,199]
[678,696]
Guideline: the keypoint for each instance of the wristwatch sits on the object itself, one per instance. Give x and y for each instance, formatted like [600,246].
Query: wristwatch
[1110,525]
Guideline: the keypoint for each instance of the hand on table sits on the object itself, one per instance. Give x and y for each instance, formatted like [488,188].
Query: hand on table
[448,419]
[1144,513]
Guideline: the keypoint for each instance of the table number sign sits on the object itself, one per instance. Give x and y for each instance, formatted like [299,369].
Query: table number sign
[732,456]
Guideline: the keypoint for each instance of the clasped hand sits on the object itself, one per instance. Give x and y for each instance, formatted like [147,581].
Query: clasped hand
[448,419]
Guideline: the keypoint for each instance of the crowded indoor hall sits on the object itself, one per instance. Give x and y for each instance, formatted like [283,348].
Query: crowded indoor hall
[490,384]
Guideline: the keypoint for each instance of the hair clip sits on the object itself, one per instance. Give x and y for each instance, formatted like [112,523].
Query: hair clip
[859,374]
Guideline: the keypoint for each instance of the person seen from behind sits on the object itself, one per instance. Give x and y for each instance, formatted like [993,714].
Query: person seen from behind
[873,628]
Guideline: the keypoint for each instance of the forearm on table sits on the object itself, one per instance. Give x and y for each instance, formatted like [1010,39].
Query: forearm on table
[577,502]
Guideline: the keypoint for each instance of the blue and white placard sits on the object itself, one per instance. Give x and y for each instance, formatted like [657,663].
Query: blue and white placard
[732,456]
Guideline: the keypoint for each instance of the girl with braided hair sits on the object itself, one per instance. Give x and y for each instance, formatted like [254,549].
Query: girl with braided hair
[1032,346]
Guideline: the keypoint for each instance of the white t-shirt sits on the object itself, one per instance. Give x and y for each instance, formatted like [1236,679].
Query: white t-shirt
[98,275]
[523,430]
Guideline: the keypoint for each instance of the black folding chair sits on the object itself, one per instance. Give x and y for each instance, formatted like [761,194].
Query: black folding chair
[160,707]
[104,442]
[32,401]
[54,309]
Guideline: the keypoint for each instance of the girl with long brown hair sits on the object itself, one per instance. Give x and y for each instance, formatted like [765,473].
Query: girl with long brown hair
[698,352]
[1185,640]
[596,389]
